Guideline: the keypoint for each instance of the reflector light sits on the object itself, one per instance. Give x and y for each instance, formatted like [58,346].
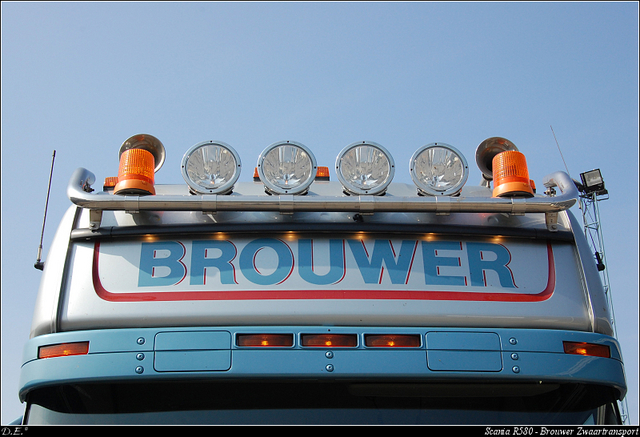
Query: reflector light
[391,340]
[264,340]
[586,349]
[63,349]
[365,168]
[136,173]
[211,168]
[487,150]
[510,175]
[287,168]
[329,340]
[438,169]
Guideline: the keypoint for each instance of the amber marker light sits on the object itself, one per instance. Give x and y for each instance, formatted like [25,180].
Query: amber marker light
[322,174]
[511,175]
[109,183]
[264,340]
[290,236]
[586,349]
[63,349]
[391,340]
[329,340]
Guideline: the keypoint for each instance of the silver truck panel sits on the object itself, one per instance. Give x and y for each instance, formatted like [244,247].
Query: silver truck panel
[84,308]
[569,305]
[54,273]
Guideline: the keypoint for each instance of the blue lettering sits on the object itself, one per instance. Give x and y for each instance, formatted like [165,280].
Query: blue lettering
[284,261]
[371,269]
[200,262]
[336,263]
[478,264]
[433,262]
[161,262]
[151,263]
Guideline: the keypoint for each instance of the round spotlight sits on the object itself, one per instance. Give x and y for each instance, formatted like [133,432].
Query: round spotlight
[365,168]
[211,168]
[287,167]
[438,169]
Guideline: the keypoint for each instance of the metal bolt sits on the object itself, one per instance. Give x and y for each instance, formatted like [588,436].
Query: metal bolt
[329,367]
[139,369]
[140,340]
[515,369]
[140,357]
[328,354]
[514,356]
[513,340]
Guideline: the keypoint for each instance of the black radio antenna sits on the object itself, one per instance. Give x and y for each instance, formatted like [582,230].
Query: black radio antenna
[39,264]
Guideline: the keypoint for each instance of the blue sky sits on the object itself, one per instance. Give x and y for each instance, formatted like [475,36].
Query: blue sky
[81,78]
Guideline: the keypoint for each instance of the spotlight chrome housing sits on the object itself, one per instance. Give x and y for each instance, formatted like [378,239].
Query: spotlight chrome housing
[438,169]
[287,167]
[211,167]
[365,167]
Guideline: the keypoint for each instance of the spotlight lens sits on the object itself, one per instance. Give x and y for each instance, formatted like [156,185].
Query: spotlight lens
[592,178]
[287,168]
[211,168]
[365,168]
[439,169]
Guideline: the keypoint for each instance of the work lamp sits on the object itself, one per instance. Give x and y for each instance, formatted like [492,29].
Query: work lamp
[438,169]
[211,168]
[365,168]
[592,181]
[287,167]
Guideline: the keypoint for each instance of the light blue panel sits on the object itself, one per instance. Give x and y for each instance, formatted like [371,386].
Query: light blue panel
[472,341]
[127,355]
[354,363]
[468,361]
[192,361]
[192,340]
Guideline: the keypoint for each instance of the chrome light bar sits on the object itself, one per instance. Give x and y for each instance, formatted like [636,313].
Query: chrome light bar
[80,193]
